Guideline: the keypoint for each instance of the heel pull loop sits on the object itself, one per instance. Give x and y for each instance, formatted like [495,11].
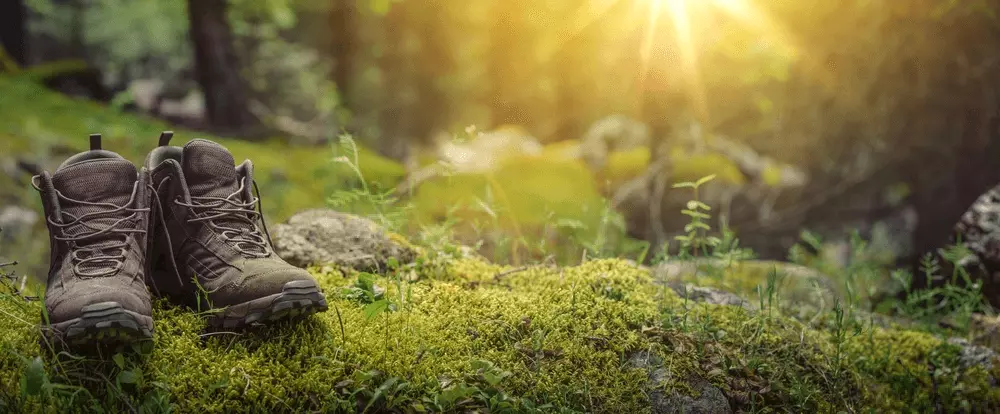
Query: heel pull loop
[165,137]
[95,142]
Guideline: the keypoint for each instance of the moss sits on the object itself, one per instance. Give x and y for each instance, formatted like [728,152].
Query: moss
[688,167]
[625,165]
[565,150]
[527,336]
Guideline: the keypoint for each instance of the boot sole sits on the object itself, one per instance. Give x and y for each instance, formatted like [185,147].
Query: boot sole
[297,299]
[103,323]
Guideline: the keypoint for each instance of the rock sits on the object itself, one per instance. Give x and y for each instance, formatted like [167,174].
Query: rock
[15,220]
[328,237]
[979,232]
[486,150]
[609,134]
[975,355]
[986,330]
[798,287]
[710,399]
[710,295]
[746,190]
[757,166]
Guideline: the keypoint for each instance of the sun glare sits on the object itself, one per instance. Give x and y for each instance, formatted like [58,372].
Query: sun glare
[686,20]
[685,15]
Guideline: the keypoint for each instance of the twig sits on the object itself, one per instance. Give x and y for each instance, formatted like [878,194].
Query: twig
[505,273]
[207,334]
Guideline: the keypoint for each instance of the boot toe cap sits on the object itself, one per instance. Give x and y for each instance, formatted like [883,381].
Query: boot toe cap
[71,304]
[262,282]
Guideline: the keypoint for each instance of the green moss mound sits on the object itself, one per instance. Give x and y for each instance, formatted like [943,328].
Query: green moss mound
[468,334]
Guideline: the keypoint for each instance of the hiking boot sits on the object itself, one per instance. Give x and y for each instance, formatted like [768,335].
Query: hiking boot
[97,214]
[209,251]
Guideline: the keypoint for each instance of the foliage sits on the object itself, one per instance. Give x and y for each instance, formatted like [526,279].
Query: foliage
[126,39]
[694,242]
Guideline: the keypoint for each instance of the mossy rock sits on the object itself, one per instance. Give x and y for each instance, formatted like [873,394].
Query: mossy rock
[320,237]
[689,167]
[468,335]
[625,165]
[524,196]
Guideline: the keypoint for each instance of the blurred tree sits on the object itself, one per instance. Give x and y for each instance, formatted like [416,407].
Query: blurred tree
[343,26]
[433,67]
[13,30]
[218,68]
[396,116]
[882,96]
[574,48]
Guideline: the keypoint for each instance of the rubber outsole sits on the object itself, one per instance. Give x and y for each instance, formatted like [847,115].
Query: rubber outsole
[102,324]
[297,299]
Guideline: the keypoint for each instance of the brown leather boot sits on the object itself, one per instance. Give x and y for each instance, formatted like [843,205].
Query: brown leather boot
[97,214]
[209,249]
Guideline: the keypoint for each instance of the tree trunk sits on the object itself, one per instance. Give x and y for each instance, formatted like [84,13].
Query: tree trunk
[396,115]
[226,96]
[13,30]
[344,36]
[435,62]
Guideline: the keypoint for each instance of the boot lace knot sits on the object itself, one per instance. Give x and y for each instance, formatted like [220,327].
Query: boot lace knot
[232,218]
[99,238]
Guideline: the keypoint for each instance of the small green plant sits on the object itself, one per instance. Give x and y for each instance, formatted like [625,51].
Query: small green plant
[10,283]
[695,241]
[954,299]
[382,206]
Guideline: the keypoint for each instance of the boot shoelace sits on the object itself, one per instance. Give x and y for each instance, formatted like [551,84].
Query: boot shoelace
[88,257]
[240,210]
[216,210]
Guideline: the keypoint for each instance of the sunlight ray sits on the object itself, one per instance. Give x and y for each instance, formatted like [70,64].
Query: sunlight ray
[744,12]
[645,54]
[689,57]
[583,18]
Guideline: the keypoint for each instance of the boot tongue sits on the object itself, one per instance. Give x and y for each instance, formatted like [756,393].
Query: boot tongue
[209,169]
[107,179]
[95,177]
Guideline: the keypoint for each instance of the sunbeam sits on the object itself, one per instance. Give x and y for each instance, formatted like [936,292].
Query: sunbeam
[681,18]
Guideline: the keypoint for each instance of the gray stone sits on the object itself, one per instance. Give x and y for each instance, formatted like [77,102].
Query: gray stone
[978,231]
[709,399]
[328,237]
[974,355]
[710,295]
[800,286]
[609,134]
[16,220]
